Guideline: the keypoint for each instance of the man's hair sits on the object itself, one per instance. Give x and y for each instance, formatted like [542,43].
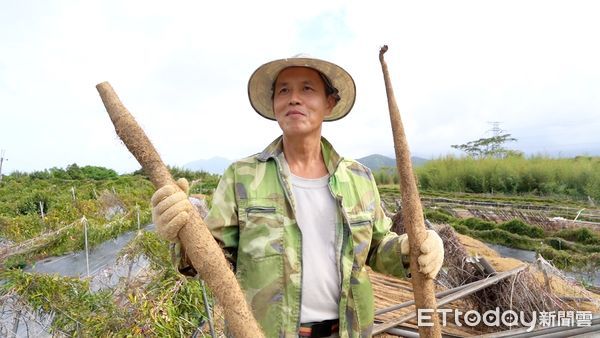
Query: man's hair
[329,88]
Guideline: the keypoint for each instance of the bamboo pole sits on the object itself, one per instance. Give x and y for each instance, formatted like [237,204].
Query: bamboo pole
[204,252]
[412,212]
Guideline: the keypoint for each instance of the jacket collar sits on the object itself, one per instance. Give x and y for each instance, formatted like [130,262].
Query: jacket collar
[275,149]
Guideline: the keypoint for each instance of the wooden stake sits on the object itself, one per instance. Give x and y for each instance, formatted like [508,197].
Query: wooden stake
[412,212]
[204,252]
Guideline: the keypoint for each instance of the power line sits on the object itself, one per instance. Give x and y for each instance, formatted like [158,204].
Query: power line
[495,129]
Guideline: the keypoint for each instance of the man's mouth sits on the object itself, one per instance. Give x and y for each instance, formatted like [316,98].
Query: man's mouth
[294,112]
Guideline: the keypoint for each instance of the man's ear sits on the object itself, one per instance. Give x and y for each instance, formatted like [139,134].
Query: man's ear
[331,102]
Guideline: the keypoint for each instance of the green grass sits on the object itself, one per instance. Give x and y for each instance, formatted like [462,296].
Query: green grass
[96,190]
[575,178]
[168,306]
[568,256]
[581,235]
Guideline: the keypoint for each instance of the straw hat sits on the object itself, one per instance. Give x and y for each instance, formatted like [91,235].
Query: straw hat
[261,83]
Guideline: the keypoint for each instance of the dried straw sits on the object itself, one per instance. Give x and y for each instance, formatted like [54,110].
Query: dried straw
[522,292]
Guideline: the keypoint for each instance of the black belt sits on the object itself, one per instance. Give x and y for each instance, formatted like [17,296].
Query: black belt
[319,329]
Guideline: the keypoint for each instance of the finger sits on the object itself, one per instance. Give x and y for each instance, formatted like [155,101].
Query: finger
[433,273]
[404,246]
[431,242]
[432,267]
[429,259]
[427,269]
[177,208]
[427,245]
[155,216]
[436,268]
[170,201]
[179,221]
[162,193]
[183,185]
[171,230]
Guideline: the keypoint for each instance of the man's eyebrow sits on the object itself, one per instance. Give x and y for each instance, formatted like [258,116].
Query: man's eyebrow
[307,81]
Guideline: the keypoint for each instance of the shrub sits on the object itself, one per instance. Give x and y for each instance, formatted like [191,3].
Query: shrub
[31,204]
[190,175]
[519,227]
[478,224]
[438,216]
[15,262]
[98,173]
[461,229]
[506,238]
[558,243]
[560,259]
[581,235]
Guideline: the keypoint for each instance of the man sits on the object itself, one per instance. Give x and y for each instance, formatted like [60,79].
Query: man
[298,221]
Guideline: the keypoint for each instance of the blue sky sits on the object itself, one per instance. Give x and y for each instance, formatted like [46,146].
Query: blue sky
[182,69]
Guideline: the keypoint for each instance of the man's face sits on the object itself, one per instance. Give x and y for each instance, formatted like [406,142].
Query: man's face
[300,102]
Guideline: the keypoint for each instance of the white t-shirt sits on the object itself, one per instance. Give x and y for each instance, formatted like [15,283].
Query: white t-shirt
[317,217]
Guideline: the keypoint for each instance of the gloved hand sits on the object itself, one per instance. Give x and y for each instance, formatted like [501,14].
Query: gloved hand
[170,209]
[432,253]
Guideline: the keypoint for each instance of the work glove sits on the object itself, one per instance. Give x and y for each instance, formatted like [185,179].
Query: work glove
[171,209]
[432,253]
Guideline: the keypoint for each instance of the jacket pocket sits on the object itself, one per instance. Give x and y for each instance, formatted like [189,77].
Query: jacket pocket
[261,230]
[262,282]
[362,293]
[361,227]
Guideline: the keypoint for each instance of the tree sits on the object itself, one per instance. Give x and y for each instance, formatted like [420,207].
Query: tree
[489,147]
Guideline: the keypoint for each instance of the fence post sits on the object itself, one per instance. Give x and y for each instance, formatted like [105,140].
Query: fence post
[73,193]
[137,209]
[42,210]
[85,236]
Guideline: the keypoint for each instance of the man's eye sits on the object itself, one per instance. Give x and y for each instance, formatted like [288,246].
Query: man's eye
[283,90]
[308,88]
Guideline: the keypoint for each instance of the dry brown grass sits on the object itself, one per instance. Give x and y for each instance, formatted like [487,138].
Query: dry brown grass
[559,286]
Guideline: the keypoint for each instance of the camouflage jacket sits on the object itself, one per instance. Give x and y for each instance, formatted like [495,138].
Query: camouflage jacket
[252,218]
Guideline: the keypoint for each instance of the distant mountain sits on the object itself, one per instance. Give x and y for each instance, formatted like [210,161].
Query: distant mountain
[215,165]
[418,161]
[376,161]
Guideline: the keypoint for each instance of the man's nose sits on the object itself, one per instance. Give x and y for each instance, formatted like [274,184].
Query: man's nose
[295,98]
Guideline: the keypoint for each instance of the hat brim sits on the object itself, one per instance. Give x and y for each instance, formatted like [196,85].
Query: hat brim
[261,82]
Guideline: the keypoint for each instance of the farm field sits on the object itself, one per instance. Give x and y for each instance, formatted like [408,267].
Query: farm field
[522,222]
[52,213]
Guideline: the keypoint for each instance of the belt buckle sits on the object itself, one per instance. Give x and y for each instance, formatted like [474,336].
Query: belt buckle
[322,329]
